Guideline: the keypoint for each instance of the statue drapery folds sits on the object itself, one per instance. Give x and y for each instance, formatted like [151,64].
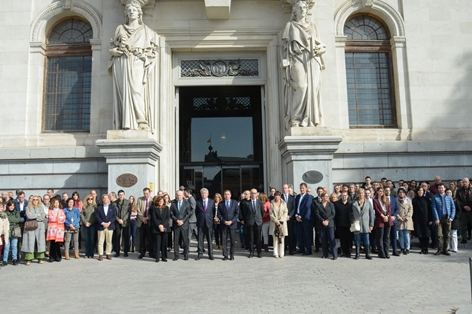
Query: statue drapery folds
[302,63]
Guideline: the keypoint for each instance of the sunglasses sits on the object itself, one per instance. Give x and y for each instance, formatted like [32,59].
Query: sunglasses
[90,199]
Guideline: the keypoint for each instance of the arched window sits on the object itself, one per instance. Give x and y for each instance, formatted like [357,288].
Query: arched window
[369,73]
[68,77]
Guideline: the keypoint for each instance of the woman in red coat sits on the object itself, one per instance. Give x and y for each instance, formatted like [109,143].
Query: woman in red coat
[382,222]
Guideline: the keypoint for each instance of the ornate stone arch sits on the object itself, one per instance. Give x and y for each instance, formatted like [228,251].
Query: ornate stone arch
[60,9]
[380,8]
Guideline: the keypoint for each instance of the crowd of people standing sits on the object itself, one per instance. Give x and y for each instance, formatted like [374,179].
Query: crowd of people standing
[373,217]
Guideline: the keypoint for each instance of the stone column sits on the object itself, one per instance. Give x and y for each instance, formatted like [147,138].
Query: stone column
[308,158]
[133,158]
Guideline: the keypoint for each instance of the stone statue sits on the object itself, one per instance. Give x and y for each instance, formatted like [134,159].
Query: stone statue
[133,67]
[302,63]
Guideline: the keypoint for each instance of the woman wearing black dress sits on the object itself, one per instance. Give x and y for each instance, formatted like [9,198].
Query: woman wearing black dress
[160,228]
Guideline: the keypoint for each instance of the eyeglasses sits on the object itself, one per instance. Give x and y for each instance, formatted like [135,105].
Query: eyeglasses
[35,199]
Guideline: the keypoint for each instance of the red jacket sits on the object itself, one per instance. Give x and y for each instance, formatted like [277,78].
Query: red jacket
[379,222]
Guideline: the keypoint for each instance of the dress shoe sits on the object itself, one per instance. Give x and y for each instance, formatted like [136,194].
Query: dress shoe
[175,259]
[300,252]
[309,253]
[109,257]
[317,250]
[259,255]
[164,259]
[291,253]
[14,262]
[198,258]
[446,253]
[335,258]
[51,260]
[251,255]
[225,258]
[125,255]
[438,252]
[186,258]
[396,253]
[211,258]
[58,259]
[117,255]
[157,260]
[141,256]
[100,258]
[231,258]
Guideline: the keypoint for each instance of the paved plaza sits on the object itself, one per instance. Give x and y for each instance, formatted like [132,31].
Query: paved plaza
[294,284]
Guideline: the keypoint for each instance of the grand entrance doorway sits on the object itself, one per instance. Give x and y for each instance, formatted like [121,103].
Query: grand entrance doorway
[220,134]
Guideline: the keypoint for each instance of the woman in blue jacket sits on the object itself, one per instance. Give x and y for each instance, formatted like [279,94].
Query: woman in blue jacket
[72,226]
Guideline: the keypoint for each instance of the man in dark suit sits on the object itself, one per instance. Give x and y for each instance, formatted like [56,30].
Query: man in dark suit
[304,226]
[106,216]
[123,211]
[180,212]
[291,244]
[204,211]
[464,200]
[252,213]
[20,205]
[228,213]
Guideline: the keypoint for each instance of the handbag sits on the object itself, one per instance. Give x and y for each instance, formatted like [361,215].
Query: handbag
[31,225]
[355,226]
[16,232]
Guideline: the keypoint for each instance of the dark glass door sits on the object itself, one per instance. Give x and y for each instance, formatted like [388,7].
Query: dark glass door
[221,138]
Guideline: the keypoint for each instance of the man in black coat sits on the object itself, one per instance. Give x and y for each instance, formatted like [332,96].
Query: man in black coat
[251,217]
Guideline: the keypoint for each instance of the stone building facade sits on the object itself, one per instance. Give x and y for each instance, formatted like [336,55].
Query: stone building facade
[395,95]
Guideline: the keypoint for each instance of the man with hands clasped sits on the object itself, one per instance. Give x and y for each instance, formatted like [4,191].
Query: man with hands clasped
[106,216]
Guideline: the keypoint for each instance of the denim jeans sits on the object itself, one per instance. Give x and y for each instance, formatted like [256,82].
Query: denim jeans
[362,237]
[404,237]
[133,228]
[13,242]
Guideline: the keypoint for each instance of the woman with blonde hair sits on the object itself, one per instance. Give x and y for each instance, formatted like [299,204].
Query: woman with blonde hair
[334,197]
[34,239]
[278,223]
[133,222]
[89,222]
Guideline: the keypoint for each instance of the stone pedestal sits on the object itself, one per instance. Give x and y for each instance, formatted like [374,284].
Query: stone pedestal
[131,155]
[308,159]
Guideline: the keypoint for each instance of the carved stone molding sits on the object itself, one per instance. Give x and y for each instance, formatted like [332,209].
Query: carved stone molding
[81,8]
[219,68]
[382,9]
[218,9]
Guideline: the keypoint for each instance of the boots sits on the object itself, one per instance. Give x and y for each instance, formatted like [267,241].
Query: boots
[367,254]
[66,255]
[77,254]
[358,250]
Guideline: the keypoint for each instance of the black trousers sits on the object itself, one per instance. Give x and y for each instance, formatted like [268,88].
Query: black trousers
[146,240]
[291,240]
[180,234]
[345,237]
[160,240]
[254,235]
[382,238]
[424,244]
[121,231]
[205,232]
[55,250]
[227,231]
[317,238]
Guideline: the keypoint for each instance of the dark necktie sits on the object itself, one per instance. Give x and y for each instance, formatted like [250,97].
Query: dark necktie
[205,206]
